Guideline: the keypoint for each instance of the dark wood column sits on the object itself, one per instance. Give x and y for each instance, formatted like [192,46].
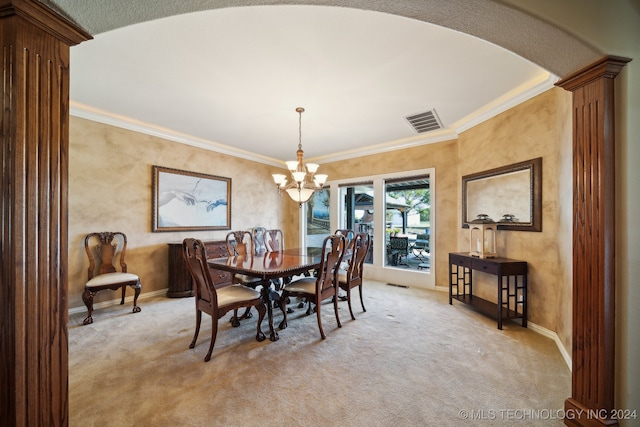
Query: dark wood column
[593,343]
[33,206]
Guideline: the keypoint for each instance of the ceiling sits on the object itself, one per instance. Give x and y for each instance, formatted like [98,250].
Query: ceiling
[230,78]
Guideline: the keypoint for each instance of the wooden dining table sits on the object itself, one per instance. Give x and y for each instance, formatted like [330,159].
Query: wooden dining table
[268,266]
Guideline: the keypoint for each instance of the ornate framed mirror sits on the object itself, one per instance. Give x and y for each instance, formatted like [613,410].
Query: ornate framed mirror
[511,195]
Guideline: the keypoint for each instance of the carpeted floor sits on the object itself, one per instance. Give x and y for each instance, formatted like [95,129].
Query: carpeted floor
[410,360]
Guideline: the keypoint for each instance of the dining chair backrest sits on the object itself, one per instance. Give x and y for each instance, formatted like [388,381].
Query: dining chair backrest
[275,240]
[348,235]
[259,240]
[333,249]
[361,244]
[195,255]
[240,243]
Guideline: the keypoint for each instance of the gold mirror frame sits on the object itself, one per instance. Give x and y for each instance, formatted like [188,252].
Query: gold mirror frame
[498,189]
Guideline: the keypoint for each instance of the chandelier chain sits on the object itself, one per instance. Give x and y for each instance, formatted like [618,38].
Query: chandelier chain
[300,111]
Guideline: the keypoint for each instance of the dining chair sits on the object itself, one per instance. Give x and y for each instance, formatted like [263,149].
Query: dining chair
[217,302]
[322,287]
[103,249]
[352,276]
[241,243]
[349,236]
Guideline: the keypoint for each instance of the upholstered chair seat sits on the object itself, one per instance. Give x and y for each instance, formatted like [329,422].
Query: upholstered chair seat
[107,278]
[304,285]
[236,293]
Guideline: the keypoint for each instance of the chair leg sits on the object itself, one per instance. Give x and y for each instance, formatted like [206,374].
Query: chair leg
[335,307]
[235,321]
[247,314]
[349,302]
[87,297]
[361,300]
[214,333]
[124,289]
[320,320]
[195,335]
[137,288]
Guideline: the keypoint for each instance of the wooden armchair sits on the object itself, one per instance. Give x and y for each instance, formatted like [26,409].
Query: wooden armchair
[217,302]
[102,250]
[322,287]
[352,276]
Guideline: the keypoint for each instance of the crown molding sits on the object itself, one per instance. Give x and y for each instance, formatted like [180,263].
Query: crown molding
[85,112]
[517,96]
[509,100]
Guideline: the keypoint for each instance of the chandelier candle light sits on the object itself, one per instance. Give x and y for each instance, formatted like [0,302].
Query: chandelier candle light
[300,189]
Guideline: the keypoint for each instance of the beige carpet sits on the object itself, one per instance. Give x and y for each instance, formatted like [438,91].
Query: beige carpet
[410,360]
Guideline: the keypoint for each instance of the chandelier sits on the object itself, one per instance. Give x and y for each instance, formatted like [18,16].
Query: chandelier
[300,189]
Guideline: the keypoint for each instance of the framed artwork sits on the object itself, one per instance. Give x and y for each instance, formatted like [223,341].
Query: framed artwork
[190,201]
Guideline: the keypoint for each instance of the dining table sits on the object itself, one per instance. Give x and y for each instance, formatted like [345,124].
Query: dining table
[269,266]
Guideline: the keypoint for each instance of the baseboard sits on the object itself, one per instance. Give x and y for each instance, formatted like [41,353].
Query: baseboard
[129,299]
[550,334]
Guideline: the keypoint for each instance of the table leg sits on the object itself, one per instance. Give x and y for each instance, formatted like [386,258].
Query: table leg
[500,290]
[266,298]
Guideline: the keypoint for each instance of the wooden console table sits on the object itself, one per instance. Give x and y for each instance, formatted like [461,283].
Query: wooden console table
[512,285]
[180,282]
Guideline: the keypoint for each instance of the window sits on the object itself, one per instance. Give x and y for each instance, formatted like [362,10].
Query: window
[357,211]
[407,216]
[396,205]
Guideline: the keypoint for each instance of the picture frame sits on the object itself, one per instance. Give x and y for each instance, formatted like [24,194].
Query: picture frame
[514,189]
[190,201]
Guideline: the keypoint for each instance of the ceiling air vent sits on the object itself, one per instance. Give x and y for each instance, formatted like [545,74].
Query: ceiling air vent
[425,122]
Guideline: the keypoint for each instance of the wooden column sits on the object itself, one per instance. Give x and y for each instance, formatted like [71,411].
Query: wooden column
[593,343]
[33,207]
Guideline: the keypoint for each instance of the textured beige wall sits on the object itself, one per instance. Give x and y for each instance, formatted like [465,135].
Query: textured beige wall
[442,156]
[110,182]
[540,127]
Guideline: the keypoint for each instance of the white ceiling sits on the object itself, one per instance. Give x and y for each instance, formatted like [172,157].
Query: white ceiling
[230,79]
